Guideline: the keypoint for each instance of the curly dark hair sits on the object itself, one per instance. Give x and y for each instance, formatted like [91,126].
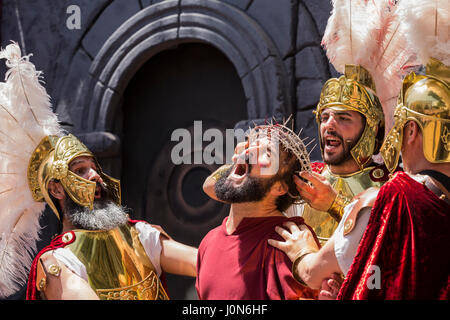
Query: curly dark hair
[289,166]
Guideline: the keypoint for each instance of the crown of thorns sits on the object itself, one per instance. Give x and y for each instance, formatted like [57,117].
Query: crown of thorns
[287,138]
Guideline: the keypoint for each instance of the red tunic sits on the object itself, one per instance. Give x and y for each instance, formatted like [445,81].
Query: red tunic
[243,266]
[408,238]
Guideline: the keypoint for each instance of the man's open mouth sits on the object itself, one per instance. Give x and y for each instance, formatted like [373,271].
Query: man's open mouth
[98,192]
[239,172]
[332,143]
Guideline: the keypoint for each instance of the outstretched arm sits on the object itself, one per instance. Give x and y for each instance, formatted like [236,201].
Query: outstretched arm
[314,264]
[178,258]
[315,267]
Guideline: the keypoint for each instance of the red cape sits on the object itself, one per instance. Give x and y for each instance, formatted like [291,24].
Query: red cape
[408,239]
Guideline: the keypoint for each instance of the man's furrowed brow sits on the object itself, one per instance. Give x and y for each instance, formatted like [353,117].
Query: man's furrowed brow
[79,161]
[343,113]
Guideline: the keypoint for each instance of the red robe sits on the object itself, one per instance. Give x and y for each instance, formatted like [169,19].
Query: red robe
[408,238]
[243,266]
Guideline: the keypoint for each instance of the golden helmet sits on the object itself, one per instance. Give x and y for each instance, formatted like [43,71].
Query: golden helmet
[51,159]
[424,99]
[355,91]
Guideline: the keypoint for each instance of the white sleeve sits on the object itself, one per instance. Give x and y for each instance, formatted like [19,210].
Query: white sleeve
[71,261]
[294,210]
[345,246]
[149,238]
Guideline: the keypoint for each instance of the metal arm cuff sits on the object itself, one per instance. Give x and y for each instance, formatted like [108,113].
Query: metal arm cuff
[336,209]
[295,264]
[216,175]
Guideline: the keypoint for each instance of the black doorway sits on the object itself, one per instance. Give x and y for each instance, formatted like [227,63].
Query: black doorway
[192,82]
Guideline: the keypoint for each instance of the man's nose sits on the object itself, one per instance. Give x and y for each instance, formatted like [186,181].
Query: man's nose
[259,155]
[329,124]
[94,176]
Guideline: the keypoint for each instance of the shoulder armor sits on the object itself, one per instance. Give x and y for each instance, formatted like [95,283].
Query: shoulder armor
[59,242]
[364,199]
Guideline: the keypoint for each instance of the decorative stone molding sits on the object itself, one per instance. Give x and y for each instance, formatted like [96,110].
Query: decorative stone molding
[168,23]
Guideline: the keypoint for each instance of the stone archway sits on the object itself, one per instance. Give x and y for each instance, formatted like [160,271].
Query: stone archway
[172,22]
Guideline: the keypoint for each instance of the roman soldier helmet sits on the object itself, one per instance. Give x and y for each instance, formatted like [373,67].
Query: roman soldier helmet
[355,91]
[50,160]
[361,45]
[425,98]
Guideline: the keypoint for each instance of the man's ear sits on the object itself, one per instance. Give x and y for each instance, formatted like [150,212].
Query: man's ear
[411,132]
[279,188]
[56,190]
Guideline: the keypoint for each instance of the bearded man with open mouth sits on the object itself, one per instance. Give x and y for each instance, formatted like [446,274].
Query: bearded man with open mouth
[235,261]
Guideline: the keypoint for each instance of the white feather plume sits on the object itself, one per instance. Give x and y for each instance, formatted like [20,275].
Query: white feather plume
[393,58]
[348,37]
[26,117]
[428,26]
[368,33]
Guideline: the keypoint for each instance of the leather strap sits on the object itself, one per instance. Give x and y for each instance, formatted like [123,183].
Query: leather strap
[436,186]
[438,176]
[41,277]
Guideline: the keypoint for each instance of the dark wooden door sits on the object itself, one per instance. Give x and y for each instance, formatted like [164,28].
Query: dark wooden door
[192,82]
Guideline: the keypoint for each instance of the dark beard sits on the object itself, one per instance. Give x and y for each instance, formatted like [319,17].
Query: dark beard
[105,215]
[346,152]
[252,190]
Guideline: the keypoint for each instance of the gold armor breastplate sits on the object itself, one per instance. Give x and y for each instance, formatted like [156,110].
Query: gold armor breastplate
[117,266]
[349,185]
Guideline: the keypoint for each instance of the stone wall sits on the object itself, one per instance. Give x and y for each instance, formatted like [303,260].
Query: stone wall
[292,30]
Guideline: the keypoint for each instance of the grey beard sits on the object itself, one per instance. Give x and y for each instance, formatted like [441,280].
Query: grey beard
[106,215]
